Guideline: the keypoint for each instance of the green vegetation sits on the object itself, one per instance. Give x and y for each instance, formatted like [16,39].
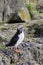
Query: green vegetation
[32,9]
[2,46]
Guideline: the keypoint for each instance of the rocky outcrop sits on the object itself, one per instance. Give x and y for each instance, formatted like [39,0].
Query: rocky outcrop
[32,49]
[10,6]
[24,14]
[31,55]
[32,46]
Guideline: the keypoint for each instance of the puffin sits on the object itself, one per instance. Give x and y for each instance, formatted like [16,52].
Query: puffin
[17,39]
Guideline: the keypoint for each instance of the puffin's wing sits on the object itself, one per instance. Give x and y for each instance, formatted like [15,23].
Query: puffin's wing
[13,40]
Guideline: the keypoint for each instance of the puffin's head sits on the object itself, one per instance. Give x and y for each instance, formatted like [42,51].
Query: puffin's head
[20,27]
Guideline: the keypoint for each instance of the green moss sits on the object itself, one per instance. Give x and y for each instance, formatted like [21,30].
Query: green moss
[32,9]
[2,46]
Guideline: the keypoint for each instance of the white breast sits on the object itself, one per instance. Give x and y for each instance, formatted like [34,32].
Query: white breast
[21,38]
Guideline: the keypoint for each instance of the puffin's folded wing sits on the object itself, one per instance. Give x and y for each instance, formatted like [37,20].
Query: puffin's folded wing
[13,40]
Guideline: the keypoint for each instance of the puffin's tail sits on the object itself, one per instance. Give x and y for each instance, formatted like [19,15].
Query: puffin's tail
[8,45]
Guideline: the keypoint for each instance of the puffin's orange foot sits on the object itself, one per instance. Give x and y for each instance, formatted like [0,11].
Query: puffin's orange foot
[17,50]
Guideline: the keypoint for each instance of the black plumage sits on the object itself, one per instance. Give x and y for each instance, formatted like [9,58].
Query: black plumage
[14,39]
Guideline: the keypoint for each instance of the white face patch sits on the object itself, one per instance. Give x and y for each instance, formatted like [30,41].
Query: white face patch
[21,38]
[20,26]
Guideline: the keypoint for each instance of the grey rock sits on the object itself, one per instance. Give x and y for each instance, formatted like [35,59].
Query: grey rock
[1,63]
[19,63]
[16,57]
[5,60]
[0,58]
[10,6]
[25,63]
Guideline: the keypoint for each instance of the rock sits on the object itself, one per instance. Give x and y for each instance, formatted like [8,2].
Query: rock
[41,16]
[10,6]
[34,1]
[1,63]
[5,61]
[40,6]
[40,3]
[36,16]
[25,63]
[32,51]
[15,18]
[27,58]
[24,14]
[0,58]
[16,57]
